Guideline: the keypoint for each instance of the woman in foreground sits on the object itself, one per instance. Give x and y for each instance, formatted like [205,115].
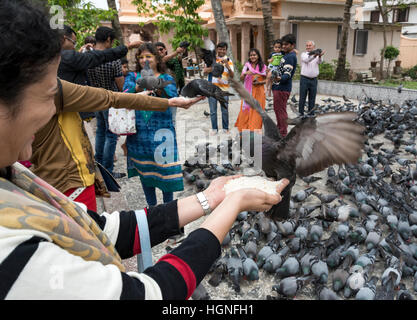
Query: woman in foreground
[52,249]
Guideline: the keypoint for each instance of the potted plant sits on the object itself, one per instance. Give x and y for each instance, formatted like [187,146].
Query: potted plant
[374,62]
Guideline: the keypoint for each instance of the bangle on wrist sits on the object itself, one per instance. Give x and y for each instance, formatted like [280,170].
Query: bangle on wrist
[204,203]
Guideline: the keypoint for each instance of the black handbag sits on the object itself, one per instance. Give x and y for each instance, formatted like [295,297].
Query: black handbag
[109,180]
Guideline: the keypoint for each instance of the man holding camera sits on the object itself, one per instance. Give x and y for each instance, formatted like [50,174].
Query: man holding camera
[223,83]
[173,62]
[310,60]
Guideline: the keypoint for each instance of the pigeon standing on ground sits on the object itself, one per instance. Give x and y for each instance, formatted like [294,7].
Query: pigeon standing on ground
[400,88]
[311,146]
[202,87]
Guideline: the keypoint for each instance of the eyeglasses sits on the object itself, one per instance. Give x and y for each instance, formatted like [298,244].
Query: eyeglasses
[161,49]
[73,42]
[146,56]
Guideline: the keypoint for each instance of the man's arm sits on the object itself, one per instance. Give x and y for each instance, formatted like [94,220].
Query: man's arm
[289,66]
[306,58]
[173,55]
[91,59]
[78,98]
[120,82]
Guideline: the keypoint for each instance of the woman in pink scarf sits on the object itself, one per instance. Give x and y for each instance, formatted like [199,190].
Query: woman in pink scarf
[254,77]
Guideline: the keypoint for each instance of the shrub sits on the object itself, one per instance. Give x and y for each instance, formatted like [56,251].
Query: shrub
[239,66]
[391,53]
[327,71]
[413,72]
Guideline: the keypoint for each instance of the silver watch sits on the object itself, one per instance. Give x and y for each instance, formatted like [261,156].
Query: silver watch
[204,202]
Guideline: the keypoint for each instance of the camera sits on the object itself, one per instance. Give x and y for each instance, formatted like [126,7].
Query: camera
[184,44]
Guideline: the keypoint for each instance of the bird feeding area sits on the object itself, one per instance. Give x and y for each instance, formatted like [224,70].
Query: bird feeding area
[352,229]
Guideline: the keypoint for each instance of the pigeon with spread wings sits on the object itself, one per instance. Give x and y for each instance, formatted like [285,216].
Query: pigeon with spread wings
[311,146]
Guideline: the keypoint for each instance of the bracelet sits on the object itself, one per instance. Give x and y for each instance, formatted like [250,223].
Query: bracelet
[204,203]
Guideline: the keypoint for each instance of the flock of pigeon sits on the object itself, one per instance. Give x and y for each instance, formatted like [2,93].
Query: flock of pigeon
[350,230]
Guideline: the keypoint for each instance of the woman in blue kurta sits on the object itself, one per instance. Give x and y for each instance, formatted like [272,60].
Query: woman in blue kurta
[152,152]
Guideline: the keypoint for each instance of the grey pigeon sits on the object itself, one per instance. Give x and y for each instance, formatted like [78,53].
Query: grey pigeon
[289,286]
[311,146]
[325,293]
[202,87]
[339,279]
[262,255]
[290,267]
[148,81]
[367,292]
[235,269]
[250,268]
[274,261]
[200,293]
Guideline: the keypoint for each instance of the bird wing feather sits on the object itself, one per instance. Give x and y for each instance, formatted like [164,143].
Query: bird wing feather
[328,139]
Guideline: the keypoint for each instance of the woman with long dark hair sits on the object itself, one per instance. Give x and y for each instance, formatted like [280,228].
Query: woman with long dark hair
[51,248]
[254,77]
[152,152]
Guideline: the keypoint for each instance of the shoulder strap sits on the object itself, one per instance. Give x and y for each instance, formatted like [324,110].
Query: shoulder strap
[145,257]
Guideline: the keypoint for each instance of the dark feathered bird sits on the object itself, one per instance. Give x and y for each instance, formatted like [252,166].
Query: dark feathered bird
[201,87]
[208,54]
[148,81]
[316,51]
[311,146]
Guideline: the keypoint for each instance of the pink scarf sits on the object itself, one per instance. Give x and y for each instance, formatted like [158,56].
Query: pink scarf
[249,79]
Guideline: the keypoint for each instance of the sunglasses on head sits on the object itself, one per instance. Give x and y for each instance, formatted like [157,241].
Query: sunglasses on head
[69,39]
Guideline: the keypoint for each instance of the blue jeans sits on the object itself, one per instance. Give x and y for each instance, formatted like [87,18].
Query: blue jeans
[150,195]
[213,114]
[106,141]
[307,86]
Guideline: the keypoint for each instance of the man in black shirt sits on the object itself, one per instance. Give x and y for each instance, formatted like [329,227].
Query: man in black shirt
[108,76]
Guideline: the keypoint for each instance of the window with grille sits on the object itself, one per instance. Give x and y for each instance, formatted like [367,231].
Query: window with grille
[375,16]
[339,37]
[294,31]
[400,15]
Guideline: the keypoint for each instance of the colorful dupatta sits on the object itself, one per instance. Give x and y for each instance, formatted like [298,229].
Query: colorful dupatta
[248,82]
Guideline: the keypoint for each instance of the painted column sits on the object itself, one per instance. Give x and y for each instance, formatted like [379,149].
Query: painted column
[233,39]
[245,40]
[260,39]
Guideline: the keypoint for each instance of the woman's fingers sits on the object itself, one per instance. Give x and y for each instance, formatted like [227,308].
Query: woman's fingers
[282,184]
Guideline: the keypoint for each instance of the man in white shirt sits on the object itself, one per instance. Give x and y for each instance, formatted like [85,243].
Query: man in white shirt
[308,79]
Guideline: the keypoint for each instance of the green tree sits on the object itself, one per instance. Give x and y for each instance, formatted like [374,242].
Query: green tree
[268,26]
[390,54]
[221,26]
[341,73]
[115,21]
[178,16]
[83,17]
[385,7]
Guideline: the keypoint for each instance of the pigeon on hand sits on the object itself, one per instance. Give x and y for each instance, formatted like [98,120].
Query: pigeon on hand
[201,87]
[148,81]
[317,51]
[208,54]
[311,146]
